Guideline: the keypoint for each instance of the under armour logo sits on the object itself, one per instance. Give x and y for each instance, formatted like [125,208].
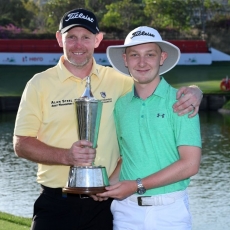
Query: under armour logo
[161,115]
[103,94]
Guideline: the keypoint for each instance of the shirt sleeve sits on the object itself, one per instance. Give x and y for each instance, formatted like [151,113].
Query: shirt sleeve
[187,130]
[29,115]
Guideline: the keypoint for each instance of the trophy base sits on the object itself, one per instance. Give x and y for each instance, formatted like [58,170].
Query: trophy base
[84,190]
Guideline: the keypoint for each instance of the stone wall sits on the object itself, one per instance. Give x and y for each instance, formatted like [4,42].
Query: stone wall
[9,103]
[213,102]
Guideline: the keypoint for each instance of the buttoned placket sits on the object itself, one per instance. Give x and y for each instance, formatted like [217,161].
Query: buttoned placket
[143,113]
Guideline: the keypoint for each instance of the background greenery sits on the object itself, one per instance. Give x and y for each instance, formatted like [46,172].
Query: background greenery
[177,19]
[227,105]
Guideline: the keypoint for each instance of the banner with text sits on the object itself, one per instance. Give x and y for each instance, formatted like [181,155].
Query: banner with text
[101,58]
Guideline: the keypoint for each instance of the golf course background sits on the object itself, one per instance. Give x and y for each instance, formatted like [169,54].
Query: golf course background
[207,77]
[14,78]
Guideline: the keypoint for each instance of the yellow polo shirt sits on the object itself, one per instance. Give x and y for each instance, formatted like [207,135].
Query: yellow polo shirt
[46,111]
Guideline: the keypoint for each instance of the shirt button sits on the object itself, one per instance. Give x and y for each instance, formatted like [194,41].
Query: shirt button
[142,116]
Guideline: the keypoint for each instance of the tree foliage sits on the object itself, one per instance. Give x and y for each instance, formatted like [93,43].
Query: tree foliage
[116,17]
[14,11]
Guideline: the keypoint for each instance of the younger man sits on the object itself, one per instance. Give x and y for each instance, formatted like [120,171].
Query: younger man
[160,151]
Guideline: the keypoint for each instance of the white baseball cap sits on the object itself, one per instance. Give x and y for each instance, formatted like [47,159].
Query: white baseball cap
[142,35]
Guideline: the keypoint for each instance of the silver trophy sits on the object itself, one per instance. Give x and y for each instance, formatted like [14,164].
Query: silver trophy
[87,179]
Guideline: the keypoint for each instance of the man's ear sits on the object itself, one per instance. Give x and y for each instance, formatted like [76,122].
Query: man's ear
[164,56]
[124,58]
[98,39]
[59,38]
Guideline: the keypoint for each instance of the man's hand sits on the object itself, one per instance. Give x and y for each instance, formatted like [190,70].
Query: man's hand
[81,154]
[120,190]
[189,99]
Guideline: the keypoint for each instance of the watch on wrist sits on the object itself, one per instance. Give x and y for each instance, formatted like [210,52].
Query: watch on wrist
[140,188]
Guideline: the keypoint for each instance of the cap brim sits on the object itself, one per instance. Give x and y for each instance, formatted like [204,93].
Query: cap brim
[78,25]
[114,55]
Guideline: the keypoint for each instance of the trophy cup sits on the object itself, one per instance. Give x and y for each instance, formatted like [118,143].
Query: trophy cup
[87,179]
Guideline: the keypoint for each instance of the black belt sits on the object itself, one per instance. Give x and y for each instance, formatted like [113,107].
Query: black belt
[58,192]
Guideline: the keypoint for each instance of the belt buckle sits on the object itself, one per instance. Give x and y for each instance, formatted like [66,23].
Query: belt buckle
[83,196]
[139,201]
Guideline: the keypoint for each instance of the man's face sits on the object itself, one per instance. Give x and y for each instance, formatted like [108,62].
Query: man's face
[78,46]
[143,61]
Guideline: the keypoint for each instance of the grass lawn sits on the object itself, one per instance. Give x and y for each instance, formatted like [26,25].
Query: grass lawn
[10,222]
[207,77]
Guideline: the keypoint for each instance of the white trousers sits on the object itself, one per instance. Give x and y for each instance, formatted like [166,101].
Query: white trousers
[171,213]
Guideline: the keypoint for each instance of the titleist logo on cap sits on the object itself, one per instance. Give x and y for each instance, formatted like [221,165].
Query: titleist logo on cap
[141,33]
[77,15]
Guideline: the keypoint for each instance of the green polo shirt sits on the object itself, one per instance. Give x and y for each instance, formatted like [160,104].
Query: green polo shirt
[149,133]
[47,112]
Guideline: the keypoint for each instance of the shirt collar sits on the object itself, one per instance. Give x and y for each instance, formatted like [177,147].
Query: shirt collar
[160,91]
[64,73]
[162,88]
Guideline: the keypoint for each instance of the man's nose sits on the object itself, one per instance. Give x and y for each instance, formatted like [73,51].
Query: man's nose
[142,61]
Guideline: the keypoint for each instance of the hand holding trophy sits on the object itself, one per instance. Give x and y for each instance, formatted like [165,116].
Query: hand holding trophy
[87,179]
